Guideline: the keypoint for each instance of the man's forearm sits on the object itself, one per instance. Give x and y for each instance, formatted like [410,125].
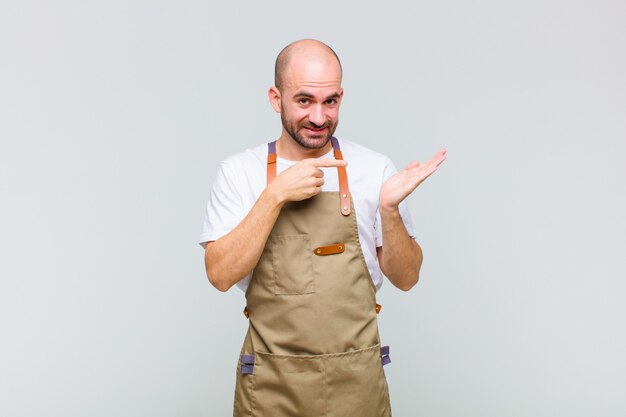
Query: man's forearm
[401,255]
[230,258]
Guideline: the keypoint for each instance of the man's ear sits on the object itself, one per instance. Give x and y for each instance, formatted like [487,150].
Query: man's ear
[274,96]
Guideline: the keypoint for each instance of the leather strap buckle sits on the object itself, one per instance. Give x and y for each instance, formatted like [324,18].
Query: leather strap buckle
[330,249]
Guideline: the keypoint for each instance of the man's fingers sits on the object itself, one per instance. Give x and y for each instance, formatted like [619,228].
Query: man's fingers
[435,161]
[422,172]
[328,162]
[422,168]
[440,156]
[426,169]
[412,165]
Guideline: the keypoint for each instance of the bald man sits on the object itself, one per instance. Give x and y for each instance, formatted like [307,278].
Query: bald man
[299,225]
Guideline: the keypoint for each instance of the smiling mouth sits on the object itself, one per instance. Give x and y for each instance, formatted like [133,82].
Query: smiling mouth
[316,129]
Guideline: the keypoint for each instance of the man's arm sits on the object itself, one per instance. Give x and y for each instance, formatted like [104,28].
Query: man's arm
[230,258]
[400,257]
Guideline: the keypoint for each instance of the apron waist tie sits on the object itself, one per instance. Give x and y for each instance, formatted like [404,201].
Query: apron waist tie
[384,355]
[247,364]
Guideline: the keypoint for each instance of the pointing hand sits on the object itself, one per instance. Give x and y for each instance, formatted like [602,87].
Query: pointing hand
[304,179]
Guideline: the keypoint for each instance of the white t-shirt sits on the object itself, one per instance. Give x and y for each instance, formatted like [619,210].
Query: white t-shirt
[242,178]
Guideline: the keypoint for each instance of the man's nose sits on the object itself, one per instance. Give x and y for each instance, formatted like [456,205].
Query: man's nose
[316,116]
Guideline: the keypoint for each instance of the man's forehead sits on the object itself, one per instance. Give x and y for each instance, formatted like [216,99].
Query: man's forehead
[313,83]
[313,75]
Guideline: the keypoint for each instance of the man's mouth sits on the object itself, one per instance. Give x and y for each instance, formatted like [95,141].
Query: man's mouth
[316,129]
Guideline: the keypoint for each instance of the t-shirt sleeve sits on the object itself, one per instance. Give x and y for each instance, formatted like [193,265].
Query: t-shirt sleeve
[224,208]
[403,208]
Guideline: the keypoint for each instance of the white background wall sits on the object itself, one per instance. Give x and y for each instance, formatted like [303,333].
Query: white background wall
[113,119]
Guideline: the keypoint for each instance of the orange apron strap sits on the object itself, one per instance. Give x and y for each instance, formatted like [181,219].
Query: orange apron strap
[344,190]
[271,161]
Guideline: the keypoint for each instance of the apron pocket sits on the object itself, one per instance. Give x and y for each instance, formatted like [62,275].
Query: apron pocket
[292,264]
[288,386]
[357,384]
[348,384]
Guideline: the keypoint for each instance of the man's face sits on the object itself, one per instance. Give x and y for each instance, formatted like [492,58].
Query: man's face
[310,114]
[309,99]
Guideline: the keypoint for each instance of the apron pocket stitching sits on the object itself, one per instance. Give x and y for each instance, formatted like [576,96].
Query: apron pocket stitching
[292,264]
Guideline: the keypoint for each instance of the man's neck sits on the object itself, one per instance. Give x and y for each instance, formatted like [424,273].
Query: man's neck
[289,149]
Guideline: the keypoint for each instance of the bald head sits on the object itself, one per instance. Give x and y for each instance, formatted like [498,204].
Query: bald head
[300,52]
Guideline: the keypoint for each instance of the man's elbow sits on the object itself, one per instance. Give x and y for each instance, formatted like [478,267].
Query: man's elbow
[216,277]
[401,280]
[408,283]
[221,285]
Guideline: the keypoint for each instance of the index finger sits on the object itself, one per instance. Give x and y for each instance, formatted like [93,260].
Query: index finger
[328,162]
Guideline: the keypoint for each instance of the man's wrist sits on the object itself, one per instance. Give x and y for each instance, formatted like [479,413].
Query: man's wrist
[273,197]
[389,211]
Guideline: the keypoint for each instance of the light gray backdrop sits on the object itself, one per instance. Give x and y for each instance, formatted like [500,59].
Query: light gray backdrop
[114,116]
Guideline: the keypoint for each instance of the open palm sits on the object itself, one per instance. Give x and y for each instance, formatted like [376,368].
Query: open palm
[400,185]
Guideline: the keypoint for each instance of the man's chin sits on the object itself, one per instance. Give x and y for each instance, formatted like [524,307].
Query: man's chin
[314,141]
[318,143]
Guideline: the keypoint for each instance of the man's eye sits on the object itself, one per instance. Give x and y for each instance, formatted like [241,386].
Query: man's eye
[303,101]
[331,101]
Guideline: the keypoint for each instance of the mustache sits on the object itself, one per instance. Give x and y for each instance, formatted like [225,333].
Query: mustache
[313,126]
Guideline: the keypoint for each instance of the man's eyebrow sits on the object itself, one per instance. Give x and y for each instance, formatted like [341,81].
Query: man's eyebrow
[309,95]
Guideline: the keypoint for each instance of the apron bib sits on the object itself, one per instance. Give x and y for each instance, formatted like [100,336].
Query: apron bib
[312,348]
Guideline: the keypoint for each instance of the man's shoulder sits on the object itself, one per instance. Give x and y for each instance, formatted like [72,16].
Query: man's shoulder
[247,159]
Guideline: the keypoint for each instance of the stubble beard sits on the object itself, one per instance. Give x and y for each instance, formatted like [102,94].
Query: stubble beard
[313,142]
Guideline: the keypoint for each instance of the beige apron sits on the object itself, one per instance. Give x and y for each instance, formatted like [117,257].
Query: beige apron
[312,346]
